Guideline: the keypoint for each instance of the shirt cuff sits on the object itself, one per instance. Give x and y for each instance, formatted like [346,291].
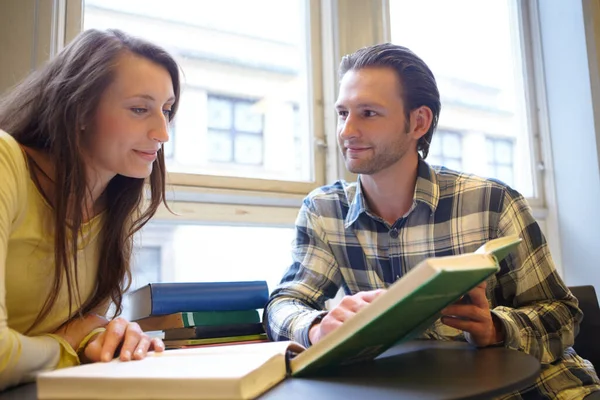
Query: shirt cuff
[312,319]
[87,339]
[512,337]
[68,356]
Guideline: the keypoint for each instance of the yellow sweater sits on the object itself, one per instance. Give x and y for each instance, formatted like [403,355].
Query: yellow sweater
[26,271]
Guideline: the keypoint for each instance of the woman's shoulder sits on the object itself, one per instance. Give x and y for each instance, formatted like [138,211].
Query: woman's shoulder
[10,148]
[12,160]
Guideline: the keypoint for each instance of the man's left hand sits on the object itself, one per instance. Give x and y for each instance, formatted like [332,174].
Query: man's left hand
[134,344]
[475,318]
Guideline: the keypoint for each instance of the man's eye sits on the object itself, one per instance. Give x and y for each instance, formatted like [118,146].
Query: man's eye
[138,110]
[369,113]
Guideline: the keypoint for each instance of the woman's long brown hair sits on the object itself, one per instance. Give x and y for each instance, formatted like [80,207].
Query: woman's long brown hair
[46,112]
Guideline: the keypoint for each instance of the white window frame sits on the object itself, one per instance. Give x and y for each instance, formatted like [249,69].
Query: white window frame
[337,27]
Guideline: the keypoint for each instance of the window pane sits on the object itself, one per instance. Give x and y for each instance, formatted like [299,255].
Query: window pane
[247,118]
[236,49]
[220,113]
[505,174]
[453,164]
[203,253]
[220,146]
[504,150]
[451,145]
[474,52]
[248,149]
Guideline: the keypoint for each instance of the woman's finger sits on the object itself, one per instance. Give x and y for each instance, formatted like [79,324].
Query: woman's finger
[142,348]
[113,336]
[133,336]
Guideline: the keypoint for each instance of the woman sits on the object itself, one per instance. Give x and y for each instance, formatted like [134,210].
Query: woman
[79,140]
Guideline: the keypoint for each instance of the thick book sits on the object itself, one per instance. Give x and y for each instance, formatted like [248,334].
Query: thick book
[403,311]
[215,331]
[200,318]
[168,298]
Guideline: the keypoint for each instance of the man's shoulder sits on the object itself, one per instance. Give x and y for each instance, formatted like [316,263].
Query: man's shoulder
[338,193]
[452,182]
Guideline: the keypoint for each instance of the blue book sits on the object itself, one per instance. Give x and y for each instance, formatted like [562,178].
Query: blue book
[168,298]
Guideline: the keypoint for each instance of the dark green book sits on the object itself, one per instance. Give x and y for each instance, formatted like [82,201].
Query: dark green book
[213,331]
[202,318]
[406,309]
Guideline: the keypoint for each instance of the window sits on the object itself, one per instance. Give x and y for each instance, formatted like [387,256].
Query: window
[235,131]
[474,50]
[446,150]
[169,147]
[241,50]
[203,253]
[500,159]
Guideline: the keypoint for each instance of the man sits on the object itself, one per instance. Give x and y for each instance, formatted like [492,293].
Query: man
[363,236]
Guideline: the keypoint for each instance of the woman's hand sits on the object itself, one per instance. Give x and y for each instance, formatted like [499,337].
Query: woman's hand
[75,330]
[120,333]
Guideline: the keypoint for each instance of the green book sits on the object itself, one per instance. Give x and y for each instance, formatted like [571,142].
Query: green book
[246,371]
[406,309]
[202,318]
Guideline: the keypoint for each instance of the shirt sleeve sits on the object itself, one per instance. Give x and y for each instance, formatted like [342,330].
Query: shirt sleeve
[312,278]
[21,357]
[539,313]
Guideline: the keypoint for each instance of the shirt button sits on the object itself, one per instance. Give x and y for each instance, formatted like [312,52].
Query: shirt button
[394,233]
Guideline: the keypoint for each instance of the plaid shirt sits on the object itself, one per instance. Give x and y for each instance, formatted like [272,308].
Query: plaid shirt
[341,244]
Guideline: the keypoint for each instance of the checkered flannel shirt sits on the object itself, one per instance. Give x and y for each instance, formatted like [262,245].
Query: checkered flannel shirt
[341,244]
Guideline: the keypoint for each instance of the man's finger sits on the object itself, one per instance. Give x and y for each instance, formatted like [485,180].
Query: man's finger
[478,297]
[467,311]
[371,295]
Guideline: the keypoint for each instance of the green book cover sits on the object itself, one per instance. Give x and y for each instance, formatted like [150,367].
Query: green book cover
[201,318]
[212,318]
[405,310]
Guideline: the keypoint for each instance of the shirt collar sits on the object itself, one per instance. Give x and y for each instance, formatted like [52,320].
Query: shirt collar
[427,191]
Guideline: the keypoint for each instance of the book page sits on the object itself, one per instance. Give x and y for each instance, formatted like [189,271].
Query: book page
[500,247]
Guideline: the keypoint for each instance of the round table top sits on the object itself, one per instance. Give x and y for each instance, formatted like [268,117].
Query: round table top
[420,370]
[415,370]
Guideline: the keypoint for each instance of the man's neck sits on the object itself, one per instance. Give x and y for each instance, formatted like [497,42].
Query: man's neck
[390,192]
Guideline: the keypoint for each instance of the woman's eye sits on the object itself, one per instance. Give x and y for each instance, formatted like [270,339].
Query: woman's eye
[138,110]
[369,113]
[168,113]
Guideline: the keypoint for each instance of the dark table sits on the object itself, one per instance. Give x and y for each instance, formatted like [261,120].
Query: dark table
[415,370]
[420,370]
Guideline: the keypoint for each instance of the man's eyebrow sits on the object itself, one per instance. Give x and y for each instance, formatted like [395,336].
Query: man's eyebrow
[361,105]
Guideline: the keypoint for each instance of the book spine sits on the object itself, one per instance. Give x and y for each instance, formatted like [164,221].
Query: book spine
[209,296]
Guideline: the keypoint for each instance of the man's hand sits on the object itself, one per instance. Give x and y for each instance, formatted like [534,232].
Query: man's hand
[347,308]
[133,342]
[475,318]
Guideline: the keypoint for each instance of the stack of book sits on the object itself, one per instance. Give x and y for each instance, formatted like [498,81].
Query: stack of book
[201,313]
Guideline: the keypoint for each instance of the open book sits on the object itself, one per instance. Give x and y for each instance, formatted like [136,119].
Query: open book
[405,310]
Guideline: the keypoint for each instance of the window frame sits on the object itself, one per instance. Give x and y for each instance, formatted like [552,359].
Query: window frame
[338,27]
[74,14]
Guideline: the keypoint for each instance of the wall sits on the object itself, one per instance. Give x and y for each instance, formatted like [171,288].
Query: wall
[574,137]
